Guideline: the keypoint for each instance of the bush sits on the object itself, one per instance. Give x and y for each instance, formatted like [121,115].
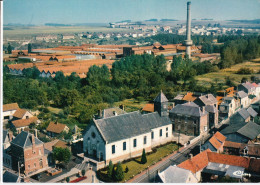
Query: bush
[244,71]
[119,173]
[126,169]
[143,159]
[110,170]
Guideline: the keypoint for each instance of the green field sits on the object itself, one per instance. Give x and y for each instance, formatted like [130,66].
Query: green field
[17,32]
[208,78]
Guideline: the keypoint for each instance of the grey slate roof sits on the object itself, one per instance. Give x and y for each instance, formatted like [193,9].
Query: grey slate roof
[228,98]
[241,94]
[161,98]
[10,177]
[24,139]
[188,109]
[110,112]
[243,112]
[174,174]
[232,128]
[211,108]
[179,97]
[208,99]
[250,130]
[252,112]
[128,125]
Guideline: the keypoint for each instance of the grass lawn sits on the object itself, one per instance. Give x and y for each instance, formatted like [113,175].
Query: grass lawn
[135,167]
[131,104]
[54,110]
[206,79]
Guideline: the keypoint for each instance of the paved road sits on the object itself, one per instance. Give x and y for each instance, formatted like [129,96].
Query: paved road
[151,175]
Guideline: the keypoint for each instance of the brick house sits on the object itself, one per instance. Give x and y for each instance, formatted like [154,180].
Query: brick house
[55,128]
[189,119]
[27,152]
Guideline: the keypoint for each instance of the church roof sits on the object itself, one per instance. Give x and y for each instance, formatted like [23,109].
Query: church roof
[161,98]
[129,125]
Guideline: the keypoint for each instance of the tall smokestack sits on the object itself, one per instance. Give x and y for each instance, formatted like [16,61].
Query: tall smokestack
[188,41]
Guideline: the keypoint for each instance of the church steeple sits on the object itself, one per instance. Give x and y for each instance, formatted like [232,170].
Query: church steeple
[161,104]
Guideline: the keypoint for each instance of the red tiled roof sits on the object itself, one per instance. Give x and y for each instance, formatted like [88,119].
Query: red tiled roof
[228,159]
[148,107]
[189,97]
[10,106]
[231,144]
[220,137]
[215,142]
[24,122]
[197,162]
[56,127]
[19,113]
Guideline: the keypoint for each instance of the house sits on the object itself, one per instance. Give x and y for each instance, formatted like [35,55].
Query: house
[27,154]
[252,113]
[11,177]
[227,107]
[241,116]
[55,128]
[243,97]
[9,110]
[7,138]
[211,106]
[257,89]
[209,163]
[22,114]
[114,111]
[49,147]
[124,136]
[248,88]
[68,37]
[215,143]
[189,119]
[174,174]
[241,132]
[22,124]
[232,148]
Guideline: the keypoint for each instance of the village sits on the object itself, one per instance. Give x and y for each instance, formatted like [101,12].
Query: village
[189,118]
[133,104]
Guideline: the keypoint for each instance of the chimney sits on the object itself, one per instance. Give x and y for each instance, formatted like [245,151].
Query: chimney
[100,113]
[203,109]
[122,107]
[33,143]
[188,41]
[115,113]
[191,156]
[173,105]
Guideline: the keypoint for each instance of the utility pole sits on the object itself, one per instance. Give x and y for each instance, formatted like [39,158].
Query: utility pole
[179,140]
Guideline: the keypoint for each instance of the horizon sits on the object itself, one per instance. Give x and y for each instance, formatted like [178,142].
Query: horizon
[102,11]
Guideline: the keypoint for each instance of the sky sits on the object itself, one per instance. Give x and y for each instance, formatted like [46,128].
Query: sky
[104,11]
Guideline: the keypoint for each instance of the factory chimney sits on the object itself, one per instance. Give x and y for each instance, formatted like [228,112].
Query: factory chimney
[188,41]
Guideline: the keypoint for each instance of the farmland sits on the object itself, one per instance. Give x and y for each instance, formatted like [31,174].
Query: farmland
[24,31]
[208,78]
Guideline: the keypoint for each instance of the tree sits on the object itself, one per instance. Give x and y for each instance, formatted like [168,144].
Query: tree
[83,172]
[62,154]
[67,179]
[126,169]
[143,159]
[119,173]
[9,49]
[29,48]
[110,170]
[244,80]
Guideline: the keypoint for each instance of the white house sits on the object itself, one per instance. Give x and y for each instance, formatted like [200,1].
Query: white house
[9,110]
[243,97]
[124,136]
[227,107]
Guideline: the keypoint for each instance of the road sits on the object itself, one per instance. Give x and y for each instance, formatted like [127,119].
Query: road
[179,157]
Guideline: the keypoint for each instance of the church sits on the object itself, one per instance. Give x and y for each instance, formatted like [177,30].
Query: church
[121,137]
